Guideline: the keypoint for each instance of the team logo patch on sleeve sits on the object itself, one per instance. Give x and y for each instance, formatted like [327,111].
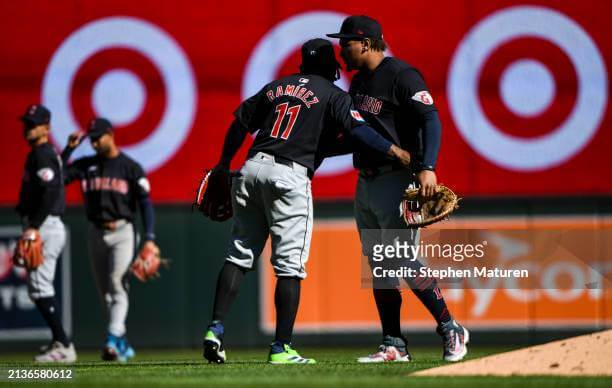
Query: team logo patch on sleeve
[423,97]
[356,115]
[144,184]
[46,174]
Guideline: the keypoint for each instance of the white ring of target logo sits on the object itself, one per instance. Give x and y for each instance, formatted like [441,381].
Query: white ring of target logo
[573,134]
[274,48]
[156,45]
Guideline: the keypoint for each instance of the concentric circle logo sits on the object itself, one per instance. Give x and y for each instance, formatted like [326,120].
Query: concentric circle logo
[527,88]
[119,94]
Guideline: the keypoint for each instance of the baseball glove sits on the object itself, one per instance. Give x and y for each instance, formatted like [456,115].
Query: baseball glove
[29,250]
[419,211]
[214,195]
[146,266]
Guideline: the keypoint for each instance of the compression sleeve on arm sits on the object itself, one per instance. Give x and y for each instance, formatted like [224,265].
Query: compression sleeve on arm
[148,217]
[432,135]
[370,138]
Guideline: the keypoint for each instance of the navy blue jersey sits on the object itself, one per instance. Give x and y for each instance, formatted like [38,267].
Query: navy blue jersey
[392,99]
[42,188]
[292,113]
[112,188]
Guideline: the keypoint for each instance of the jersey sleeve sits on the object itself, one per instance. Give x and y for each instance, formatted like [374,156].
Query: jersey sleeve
[344,113]
[48,178]
[75,170]
[412,92]
[247,112]
[48,173]
[142,187]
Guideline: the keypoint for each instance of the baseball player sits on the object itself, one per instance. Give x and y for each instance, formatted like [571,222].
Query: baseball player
[41,206]
[271,196]
[393,97]
[113,187]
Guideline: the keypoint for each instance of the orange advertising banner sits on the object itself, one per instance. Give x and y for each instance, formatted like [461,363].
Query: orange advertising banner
[334,298]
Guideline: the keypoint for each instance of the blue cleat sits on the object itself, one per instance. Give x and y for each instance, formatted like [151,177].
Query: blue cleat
[110,352]
[126,351]
[117,349]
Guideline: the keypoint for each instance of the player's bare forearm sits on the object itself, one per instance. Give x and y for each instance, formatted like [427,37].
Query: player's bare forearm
[233,141]
[428,181]
[400,154]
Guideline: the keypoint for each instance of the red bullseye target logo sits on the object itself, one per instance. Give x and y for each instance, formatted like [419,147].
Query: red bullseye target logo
[121,85]
[130,72]
[527,88]
[527,96]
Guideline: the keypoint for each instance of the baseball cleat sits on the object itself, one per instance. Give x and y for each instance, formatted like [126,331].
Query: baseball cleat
[213,347]
[45,348]
[393,349]
[117,349]
[285,355]
[455,338]
[126,352]
[110,352]
[57,352]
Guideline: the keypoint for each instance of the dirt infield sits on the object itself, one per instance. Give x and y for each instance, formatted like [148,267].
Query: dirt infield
[587,355]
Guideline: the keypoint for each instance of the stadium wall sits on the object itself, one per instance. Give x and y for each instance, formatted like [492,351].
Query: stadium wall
[173,310]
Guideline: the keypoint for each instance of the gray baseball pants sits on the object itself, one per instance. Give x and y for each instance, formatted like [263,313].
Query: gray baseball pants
[111,253]
[40,281]
[270,198]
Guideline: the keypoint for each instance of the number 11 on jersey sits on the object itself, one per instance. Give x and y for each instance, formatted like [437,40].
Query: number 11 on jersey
[282,110]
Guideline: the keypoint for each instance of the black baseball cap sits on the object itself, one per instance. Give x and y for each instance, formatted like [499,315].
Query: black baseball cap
[317,51]
[98,127]
[36,114]
[318,57]
[359,27]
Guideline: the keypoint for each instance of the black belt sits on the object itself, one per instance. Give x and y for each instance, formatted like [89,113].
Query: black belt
[288,162]
[371,172]
[110,225]
[283,161]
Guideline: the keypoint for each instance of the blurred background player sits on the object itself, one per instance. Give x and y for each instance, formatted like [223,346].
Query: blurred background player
[393,97]
[41,206]
[113,187]
[272,193]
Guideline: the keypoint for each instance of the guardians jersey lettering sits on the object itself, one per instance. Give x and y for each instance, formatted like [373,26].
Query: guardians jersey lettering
[97,184]
[368,104]
[112,188]
[393,99]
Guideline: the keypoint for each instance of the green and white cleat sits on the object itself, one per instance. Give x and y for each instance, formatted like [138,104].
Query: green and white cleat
[288,356]
[213,348]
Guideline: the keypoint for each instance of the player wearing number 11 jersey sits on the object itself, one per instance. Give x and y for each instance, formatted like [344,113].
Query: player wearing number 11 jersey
[271,196]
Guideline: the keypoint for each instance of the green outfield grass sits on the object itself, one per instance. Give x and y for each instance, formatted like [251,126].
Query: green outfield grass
[247,368]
